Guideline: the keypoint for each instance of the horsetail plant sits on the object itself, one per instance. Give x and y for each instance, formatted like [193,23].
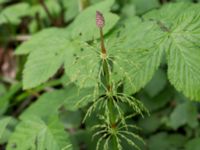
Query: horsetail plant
[114,127]
[96,71]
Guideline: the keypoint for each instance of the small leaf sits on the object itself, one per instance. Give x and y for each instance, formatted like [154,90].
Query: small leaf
[143,6]
[52,6]
[3,124]
[7,123]
[185,113]
[84,25]
[193,144]
[157,83]
[12,14]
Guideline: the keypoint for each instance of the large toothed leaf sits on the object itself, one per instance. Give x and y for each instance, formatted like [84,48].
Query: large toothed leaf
[167,13]
[182,46]
[83,67]
[35,134]
[184,55]
[46,56]
[136,58]
[84,25]
[46,39]
[68,98]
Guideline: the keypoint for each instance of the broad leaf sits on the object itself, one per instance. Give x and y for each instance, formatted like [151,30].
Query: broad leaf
[51,47]
[135,58]
[46,57]
[182,33]
[82,65]
[46,39]
[68,98]
[183,55]
[168,13]
[35,134]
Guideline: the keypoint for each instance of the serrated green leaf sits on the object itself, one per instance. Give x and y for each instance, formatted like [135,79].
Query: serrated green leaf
[135,58]
[35,134]
[54,99]
[12,14]
[182,33]
[83,65]
[46,57]
[167,13]
[183,56]
[67,98]
[45,39]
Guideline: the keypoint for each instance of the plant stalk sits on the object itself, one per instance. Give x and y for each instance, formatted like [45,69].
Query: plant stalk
[103,49]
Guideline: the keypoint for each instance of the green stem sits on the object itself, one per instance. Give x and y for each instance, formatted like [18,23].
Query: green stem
[103,49]
[106,79]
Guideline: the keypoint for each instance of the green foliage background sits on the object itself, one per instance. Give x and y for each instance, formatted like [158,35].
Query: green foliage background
[157,54]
